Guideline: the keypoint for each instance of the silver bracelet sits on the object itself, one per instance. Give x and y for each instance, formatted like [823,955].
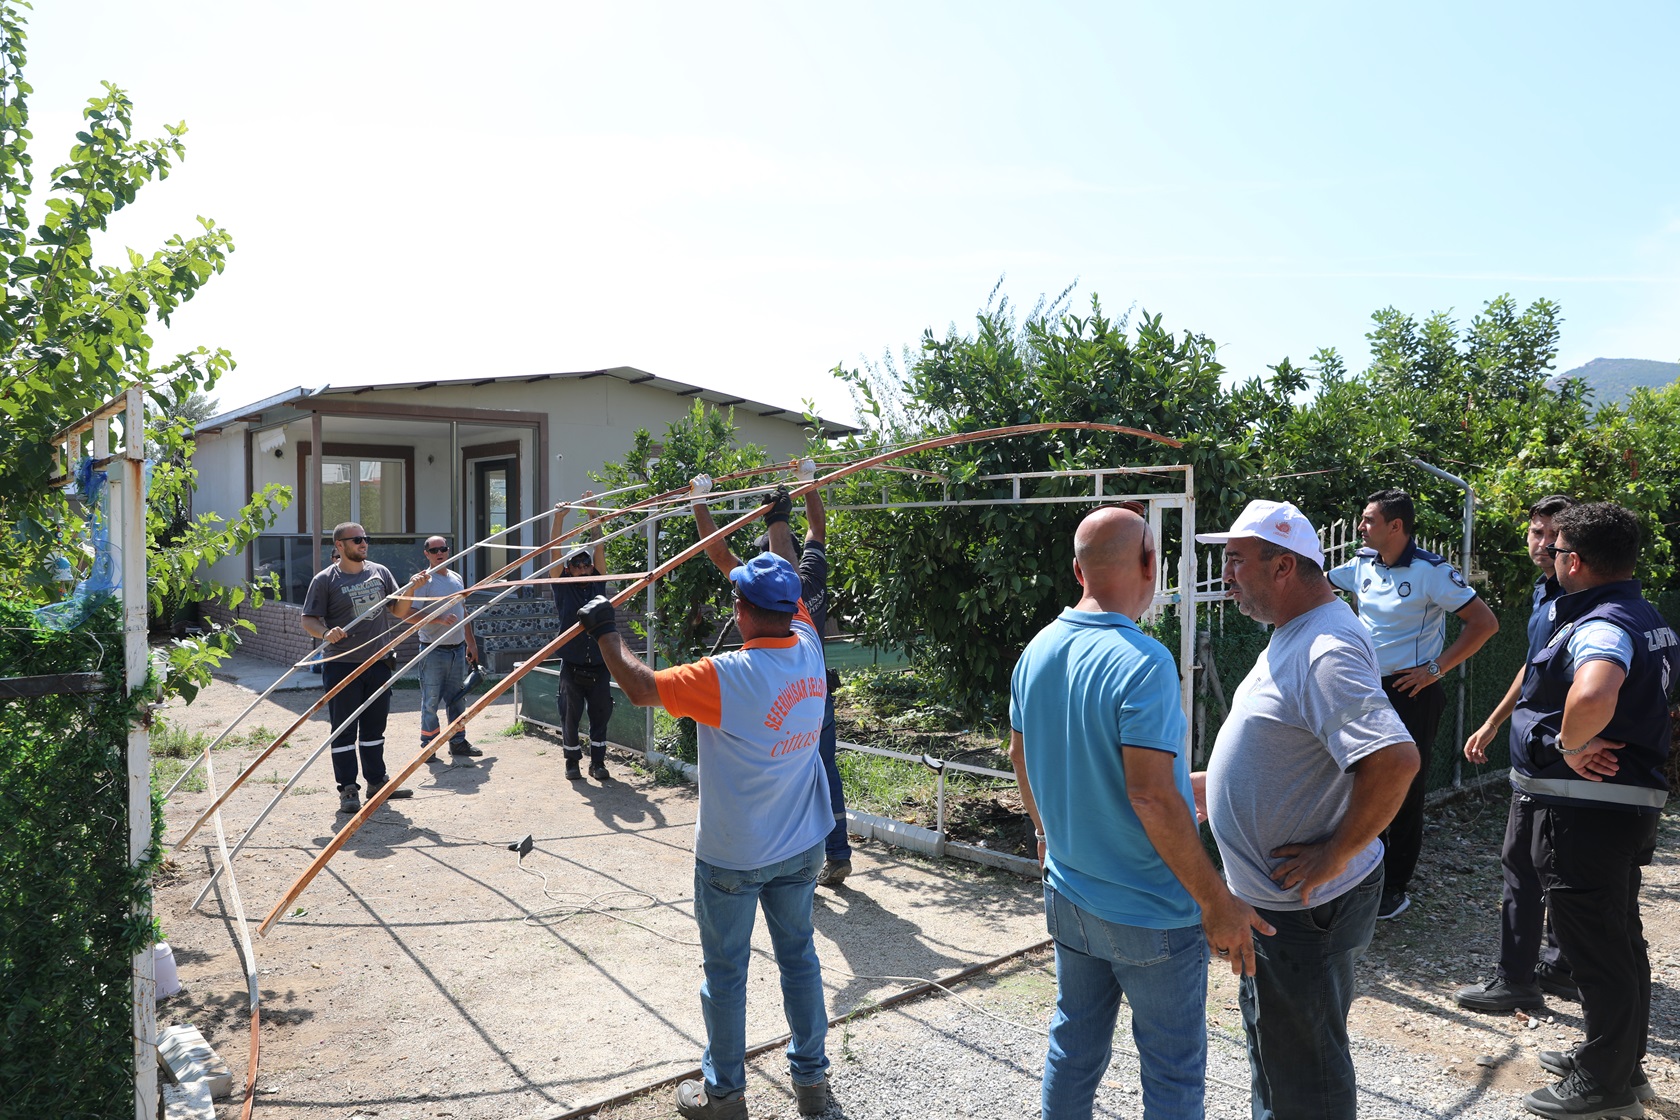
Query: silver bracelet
[1567,753]
[1038,834]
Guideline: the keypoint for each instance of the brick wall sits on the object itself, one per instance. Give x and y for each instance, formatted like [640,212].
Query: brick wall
[279,635]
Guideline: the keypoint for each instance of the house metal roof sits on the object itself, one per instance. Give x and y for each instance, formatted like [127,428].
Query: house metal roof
[628,374]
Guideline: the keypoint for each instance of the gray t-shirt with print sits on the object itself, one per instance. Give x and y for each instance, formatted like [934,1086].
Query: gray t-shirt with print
[336,597]
[1280,772]
[442,584]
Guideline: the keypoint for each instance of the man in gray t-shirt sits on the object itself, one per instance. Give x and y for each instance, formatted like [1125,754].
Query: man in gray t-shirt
[1308,769]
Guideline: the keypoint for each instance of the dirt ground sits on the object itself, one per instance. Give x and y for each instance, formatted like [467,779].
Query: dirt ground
[429,972]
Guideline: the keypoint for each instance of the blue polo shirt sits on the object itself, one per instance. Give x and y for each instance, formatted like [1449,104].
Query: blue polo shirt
[1540,614]
[1404,607]
[1088,684]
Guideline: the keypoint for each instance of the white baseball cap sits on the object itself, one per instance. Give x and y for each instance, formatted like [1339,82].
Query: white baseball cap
[1279,523]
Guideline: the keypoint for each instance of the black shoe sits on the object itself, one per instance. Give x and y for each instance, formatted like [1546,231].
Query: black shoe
[1499,994]
[1562,1063]
[464,749]
[572,768]
[349,798]
[834,872]
[1392,905]
[397,792]
[598,772]
[812,1099]
[1579,1097]
[1558,983]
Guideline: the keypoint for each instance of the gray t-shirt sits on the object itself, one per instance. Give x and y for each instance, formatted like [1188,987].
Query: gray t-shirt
[336,597]
[443,582]
[1311,707]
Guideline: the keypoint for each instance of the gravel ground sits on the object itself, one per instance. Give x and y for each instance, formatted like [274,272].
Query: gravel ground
[941,1057]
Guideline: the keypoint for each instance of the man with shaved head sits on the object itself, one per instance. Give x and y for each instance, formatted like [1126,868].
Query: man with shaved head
[1099,744]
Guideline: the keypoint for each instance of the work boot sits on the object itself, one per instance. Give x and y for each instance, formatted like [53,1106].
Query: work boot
[598,762]
[397,793]
[349,798]
[813,1099]
[573,759]
[464,749]
[1578,1095]
[1499,994]
[693,1103]
[834,872]
[1562,1063]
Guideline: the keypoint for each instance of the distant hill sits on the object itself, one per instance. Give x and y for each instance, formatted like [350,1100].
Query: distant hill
[1614,379]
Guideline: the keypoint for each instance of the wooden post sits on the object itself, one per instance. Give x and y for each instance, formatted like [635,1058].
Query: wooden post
[127,482]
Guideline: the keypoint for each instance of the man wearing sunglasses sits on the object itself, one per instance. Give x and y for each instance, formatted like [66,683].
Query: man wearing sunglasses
[584,683]
[447,641]
[343,607]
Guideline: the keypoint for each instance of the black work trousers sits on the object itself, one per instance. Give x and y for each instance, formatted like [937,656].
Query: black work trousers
[1526,937]
[365,736]
[1403,838]
[584,688]
[1589,864]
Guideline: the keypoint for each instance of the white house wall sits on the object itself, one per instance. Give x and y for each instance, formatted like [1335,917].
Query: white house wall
[220,460]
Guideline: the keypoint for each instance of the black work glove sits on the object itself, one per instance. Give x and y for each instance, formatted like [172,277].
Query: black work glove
[597,617]
[781,507]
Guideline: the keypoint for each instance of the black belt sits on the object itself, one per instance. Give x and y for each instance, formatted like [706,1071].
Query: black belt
[456,645]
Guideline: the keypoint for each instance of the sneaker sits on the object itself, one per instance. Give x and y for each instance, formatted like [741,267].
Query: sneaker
[813,1099]
[834,872]
[1392,905]
[1579,1097]
[1499,994]
[1562,1063]
[1556,982]
[693,1102]
[349,798]
[464,749]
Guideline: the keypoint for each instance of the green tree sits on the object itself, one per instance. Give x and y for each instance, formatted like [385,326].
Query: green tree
[693,601]
[964,589]
[74,332]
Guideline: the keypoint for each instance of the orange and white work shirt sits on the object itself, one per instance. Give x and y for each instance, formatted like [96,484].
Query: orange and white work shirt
[763,794]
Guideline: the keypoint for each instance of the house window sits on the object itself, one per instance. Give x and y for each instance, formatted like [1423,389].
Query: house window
[366,491]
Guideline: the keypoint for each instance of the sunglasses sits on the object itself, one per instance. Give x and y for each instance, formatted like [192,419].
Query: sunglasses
[1555,550]
[441,548]
[350,540]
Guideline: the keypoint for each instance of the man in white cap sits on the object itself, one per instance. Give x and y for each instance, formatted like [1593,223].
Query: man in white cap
[1308,769]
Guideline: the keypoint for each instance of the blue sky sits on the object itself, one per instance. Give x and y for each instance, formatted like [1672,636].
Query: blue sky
[744,195]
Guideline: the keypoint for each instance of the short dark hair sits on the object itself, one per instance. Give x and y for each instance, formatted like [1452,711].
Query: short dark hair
[1550,506]
[764,618]
[340,527]
[1395,504]
[1305,570]
[1604,535]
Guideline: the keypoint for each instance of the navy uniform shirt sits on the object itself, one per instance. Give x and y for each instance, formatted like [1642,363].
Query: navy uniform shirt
[1404,607]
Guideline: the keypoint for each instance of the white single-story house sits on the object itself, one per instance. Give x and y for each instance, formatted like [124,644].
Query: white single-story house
[463,458]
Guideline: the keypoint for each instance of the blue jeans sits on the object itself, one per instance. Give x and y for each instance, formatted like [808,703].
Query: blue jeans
[838,845]
[725,905]
[1163,975]
[1295,1006]
[442,673]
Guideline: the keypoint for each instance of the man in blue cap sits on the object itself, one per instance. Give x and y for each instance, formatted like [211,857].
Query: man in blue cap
[764,815]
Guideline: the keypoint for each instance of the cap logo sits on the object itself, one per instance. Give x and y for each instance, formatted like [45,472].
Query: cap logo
[1282,527]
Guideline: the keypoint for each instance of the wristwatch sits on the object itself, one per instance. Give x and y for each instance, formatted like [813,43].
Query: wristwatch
[1434,668]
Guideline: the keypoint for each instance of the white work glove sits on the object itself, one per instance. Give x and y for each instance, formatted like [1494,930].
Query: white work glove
[699,486]
[807,469]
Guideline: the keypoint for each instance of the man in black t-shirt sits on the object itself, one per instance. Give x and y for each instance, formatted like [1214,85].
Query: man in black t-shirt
[585,685]
[812,563]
